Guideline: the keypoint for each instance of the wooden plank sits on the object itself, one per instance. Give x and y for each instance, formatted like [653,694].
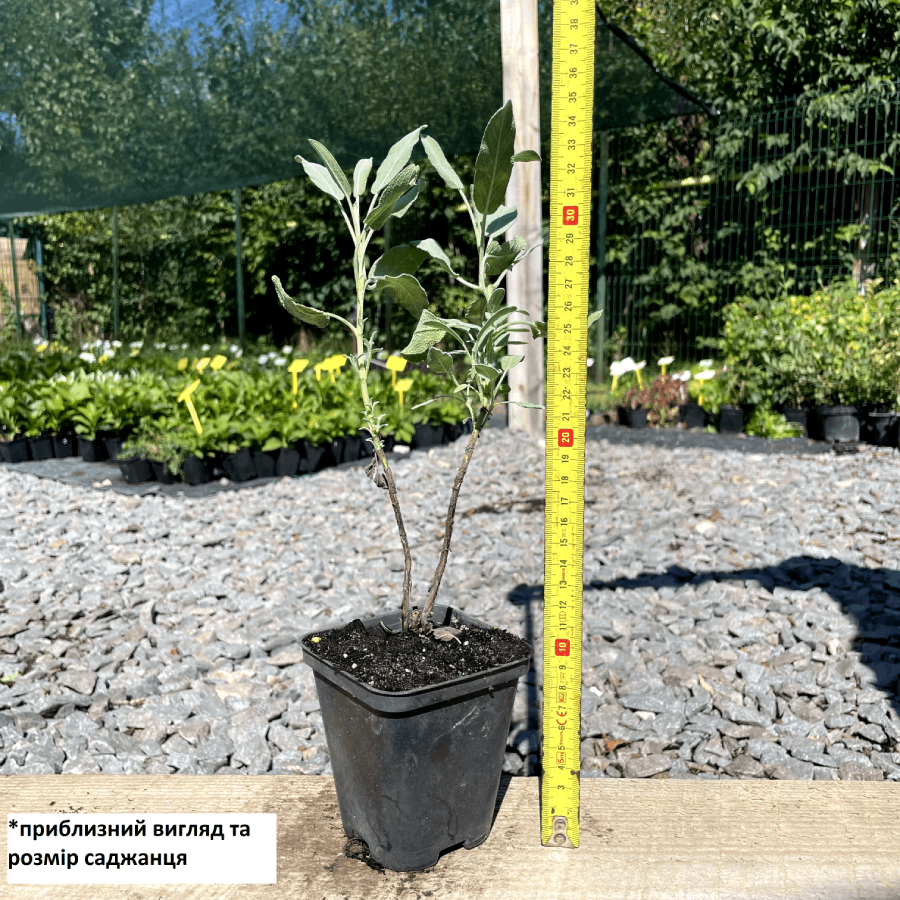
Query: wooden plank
[678,840]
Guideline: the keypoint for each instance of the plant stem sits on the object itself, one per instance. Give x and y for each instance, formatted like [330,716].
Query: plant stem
[425,619]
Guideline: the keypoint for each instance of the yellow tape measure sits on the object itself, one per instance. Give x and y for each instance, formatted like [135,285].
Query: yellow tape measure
[570,221]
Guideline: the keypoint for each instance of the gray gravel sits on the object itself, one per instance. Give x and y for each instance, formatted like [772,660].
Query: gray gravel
[742,611]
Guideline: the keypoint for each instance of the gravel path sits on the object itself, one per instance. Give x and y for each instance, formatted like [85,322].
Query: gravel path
[742,611]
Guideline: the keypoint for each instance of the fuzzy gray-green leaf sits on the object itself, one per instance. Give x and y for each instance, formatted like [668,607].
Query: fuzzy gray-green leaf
[527,156]
[392,193]
[439,161]
[428,332]
[501,257]
[321,178]
[304,313]
[508,362]
[439,362]
[407,291]
[594,316]
[331,163]
[404,259]
[361,176]
[397,158]
[407,200]
[433,249]
[493,165]
[500,219]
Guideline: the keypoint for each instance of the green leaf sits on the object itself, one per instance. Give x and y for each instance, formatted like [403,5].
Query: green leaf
[392,193]
[475,310]
[433,249]
[527,156]
[508,362]
[407,200]
[428,332]
[594,316]
[303,313]
[538,329]
[331,163]
[525,405]
[439,362]
[404,259]
[361,176]
[499,220]
[407,291]
[501,257]
[321,178]
[493,166]
[496,301]
[439,161]
[485,371]
[397,158]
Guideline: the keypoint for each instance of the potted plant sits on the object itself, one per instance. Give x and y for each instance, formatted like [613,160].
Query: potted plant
[416,728]
[663,398]
[13,421]
[87,419]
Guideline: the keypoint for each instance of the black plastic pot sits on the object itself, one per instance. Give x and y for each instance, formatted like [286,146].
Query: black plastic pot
[287,462]
[264,463]
[455,431]
[622,415]
[317,456]
[353,445]
[4,451]
[637,418]
[92,451]
[64,445]
[837,423]
[881,429]
[731,419]
[196,470]
[693,415]
[162,472]
[113,446]
[41,447]
[16,451]
[239,466]
[427,435]
[417,772]
[135,469]
[338,446]
[799,416]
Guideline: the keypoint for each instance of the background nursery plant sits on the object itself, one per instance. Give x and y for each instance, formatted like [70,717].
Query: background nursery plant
[478,365]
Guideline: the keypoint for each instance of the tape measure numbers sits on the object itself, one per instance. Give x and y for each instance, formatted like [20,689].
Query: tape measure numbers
[570,217]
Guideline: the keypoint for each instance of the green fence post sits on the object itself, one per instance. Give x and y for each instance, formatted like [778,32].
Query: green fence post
[600,300]
[115,255]
[12,253]
[239,273]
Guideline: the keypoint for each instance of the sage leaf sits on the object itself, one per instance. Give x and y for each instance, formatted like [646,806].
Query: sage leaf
[407,200]
[500,219]
[538,329]
[496,301]
[304,313]
[433,249]
[439,362]
[392,193]
[501,257]
[404,259]
[447,633]
[441,166]
[525,405]
[428,332]
[508,362]
[336,171]
[397,158]
[475,310]
[493,165]
[361,176]
[526,156]
[321,178]
[594,316]
[407,291]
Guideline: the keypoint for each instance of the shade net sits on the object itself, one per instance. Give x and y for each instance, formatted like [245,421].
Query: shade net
[118,102]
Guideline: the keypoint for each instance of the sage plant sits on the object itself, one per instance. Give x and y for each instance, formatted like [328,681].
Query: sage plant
[478,365]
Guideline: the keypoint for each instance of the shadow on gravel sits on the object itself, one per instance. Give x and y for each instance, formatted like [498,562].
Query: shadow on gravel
[870,596]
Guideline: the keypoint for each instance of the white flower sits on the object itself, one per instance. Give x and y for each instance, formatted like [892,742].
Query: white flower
[87,357]
[205,347]
[665,361]
[288,350]
[38,340]
[117,344]
[263,359]
[636,367]
[705,375]
[135,344]
[184,346]
[627,364]
[616,369]
[279,361]
[683,376]
[238,353]
[234,348]
[590,361]
[705,363]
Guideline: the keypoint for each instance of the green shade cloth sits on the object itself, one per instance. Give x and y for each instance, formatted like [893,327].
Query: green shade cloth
[105,103]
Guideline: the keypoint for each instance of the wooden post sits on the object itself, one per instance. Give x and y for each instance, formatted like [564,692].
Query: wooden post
[115,261]
[10,230]
[524,285]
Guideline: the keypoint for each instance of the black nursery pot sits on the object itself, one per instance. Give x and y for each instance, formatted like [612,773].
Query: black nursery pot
[731,419]
[196,470]
[353,446]
[693,415]
[16,451]
[317,456]
[637,418]
[287,462]
[162,472]
[113,446]
[64,445]
[41,447]
[92,451]
[264,463]
[881,429]
[417,772]
[799,416]
[622,415]
[135,469]
[837,423]
[427,435]
[239,466]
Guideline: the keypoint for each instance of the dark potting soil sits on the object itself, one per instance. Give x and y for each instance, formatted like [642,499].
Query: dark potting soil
[403,662]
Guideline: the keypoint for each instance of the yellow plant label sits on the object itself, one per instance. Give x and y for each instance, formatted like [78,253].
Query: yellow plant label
[182,364]
[185,397]
[402,386]
[202,363]
[217,362]
[395,364]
